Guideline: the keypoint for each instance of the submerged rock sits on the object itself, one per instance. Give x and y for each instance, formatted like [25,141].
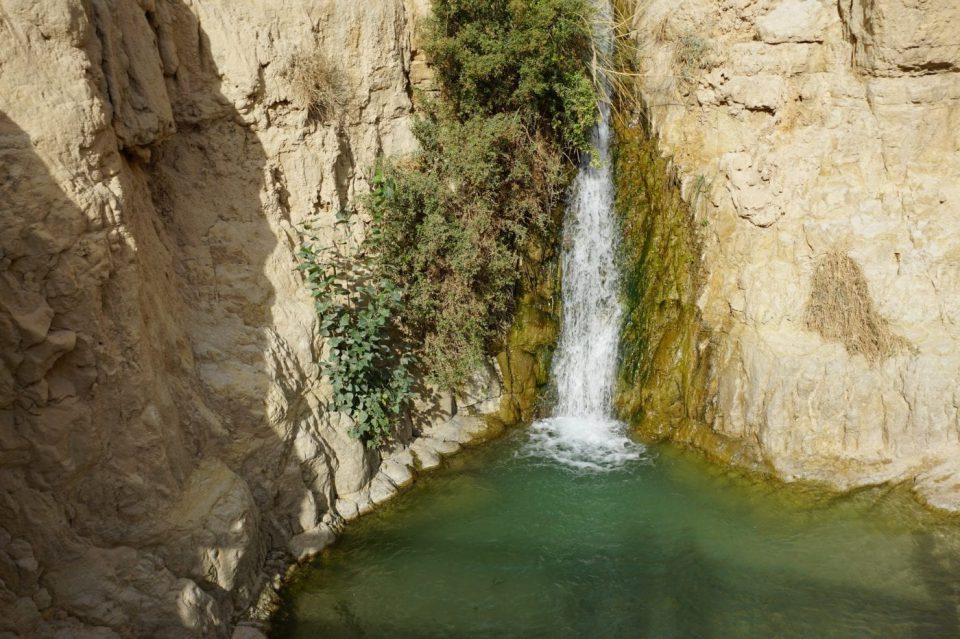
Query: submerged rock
[311,542]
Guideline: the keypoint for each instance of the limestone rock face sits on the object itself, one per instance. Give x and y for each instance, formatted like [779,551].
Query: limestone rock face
[803,130]
[162,430]
[897,37]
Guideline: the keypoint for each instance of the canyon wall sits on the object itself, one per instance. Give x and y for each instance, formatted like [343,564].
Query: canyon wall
[818,144]
[164,443]
[163,432]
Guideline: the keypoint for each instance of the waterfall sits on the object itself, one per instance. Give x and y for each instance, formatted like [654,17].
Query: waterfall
[585,366]
[582,433]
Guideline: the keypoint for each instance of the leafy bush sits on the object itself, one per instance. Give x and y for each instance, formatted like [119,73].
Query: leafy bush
[526,57]
[368,369]
[448,226]
[497,151]
[453,224]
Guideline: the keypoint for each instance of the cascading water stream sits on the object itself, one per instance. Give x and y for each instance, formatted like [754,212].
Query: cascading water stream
[582,432]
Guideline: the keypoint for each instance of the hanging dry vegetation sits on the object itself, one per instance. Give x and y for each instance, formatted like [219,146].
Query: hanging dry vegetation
[314,83]
[841,310]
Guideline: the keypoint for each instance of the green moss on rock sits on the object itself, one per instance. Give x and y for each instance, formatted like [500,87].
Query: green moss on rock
[527,352]
[661,380]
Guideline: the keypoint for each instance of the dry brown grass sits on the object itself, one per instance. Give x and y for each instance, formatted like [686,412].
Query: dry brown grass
[690,53]
[314,84]
[841,310]
[618,67]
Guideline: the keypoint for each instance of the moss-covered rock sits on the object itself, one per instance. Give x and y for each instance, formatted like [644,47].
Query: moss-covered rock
[527,352]
[661,382]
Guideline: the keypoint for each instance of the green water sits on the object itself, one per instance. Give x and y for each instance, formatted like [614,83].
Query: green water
[507,545]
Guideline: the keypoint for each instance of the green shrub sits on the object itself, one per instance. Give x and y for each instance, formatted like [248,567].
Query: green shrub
[454,222]
[526,57]
[497,150]
[369,370]
[448,226]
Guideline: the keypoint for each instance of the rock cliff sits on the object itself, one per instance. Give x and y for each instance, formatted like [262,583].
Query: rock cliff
[818,146]
[162,430]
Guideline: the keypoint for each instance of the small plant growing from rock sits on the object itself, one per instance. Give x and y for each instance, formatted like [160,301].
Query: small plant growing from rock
[690,53]
[314,84]
[368,367]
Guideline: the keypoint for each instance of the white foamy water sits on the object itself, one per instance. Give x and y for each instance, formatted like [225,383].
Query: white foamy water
[583,433]
[583,443]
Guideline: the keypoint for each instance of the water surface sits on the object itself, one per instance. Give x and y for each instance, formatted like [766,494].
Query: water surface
[508,543]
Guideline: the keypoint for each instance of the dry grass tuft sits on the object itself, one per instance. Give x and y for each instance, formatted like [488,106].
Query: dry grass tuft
[690,52]
[620,68]
[315,85]
[841,310]
[617,68]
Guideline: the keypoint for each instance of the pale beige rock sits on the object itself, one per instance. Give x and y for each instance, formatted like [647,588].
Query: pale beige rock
[460,429]
[822,127]
[482,393]
[761,92]
[365,504]
[247,632]
[162,418]
[793,21]
[940,487]
[217,518]
[427,457]
[354,464]
[311,542]
[381,489]
[402,456]
[896,37]
[346,509]
[398,474]
[133,73]
[441,446]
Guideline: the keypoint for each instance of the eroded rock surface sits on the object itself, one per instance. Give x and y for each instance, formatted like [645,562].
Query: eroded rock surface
[806,134]
[162,423]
